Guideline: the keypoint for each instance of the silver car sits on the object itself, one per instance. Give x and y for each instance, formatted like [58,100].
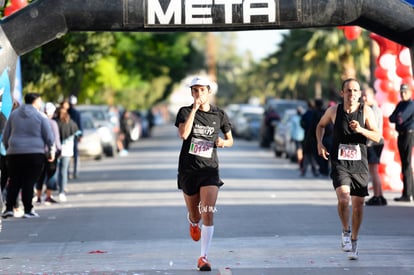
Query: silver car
[107,128]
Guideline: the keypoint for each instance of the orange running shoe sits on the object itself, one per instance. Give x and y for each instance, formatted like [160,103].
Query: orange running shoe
[195,232]
[203,264]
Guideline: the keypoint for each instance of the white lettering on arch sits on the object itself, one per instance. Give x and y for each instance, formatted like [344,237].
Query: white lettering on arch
[155,10]
[198,12]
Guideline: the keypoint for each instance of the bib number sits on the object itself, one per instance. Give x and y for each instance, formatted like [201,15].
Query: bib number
[349,152]
[202,148]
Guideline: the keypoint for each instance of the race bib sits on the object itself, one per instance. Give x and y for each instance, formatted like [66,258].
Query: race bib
[349,152]
[202,148]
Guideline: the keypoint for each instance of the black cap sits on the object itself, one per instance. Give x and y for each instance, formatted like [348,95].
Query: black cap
[404,87]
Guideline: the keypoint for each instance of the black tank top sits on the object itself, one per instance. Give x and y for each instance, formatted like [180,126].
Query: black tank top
[344,135]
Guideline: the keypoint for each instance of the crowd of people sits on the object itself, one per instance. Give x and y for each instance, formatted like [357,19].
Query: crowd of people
[42,140]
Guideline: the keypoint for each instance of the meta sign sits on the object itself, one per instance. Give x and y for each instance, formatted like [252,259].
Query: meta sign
[170,13]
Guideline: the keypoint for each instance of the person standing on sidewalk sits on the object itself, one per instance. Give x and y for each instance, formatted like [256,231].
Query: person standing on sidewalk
[48,176]
[76,116]
[354,123]
[25,137]
[198,170]
[374,150]
[403,117]
[68,131]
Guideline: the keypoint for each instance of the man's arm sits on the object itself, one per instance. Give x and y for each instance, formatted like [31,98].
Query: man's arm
[371,131]
[326,119]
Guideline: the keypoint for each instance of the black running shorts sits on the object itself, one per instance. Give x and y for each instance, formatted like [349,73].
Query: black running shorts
[358,183]
[190,183]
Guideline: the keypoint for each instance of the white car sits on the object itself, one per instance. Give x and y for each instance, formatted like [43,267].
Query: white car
[90,143]
[246,121]
[107,127]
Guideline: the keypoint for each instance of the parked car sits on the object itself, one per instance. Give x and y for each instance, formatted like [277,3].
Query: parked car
[283,143]
[274,110]
[90,144]
[231,110]
[246,121]
[105,123]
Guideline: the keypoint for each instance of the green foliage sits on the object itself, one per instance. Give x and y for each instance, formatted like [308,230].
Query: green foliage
[58,68]
[134,70]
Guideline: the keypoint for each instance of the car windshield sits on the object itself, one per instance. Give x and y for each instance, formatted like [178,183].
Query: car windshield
[253,116]
[87,122]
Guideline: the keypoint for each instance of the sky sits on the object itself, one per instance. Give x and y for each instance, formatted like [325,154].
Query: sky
[261,43]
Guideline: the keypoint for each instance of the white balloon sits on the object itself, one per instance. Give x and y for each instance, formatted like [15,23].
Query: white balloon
[388,61]
[404,57]
[393,169]
[387,108]
[396,184]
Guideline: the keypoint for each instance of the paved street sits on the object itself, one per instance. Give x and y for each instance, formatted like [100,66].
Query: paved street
[125,216]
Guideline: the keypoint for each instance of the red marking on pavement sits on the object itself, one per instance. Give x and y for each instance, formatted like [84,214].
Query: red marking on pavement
[97,252]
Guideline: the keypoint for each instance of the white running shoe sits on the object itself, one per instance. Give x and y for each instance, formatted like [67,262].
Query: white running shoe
[346,243]
[62,197]
[353,254]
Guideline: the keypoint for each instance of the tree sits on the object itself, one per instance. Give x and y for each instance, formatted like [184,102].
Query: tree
[135,70]
[58,68]
[311,62]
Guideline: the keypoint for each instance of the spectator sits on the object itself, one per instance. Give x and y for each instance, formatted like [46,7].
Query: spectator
[374,150]
[48,175]
[67,132]
[297,134]
[403,117]
[309,122]
[75,115]
[126,127]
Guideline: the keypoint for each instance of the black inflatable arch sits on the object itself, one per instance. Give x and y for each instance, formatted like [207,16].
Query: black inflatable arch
[45,20]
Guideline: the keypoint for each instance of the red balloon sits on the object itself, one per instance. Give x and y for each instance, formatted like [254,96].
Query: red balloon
[381,73]
[386,45]
[10,10]
[19,3]
[403,71]
[393,97]
[392,144]
[386,86]
[352,32]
